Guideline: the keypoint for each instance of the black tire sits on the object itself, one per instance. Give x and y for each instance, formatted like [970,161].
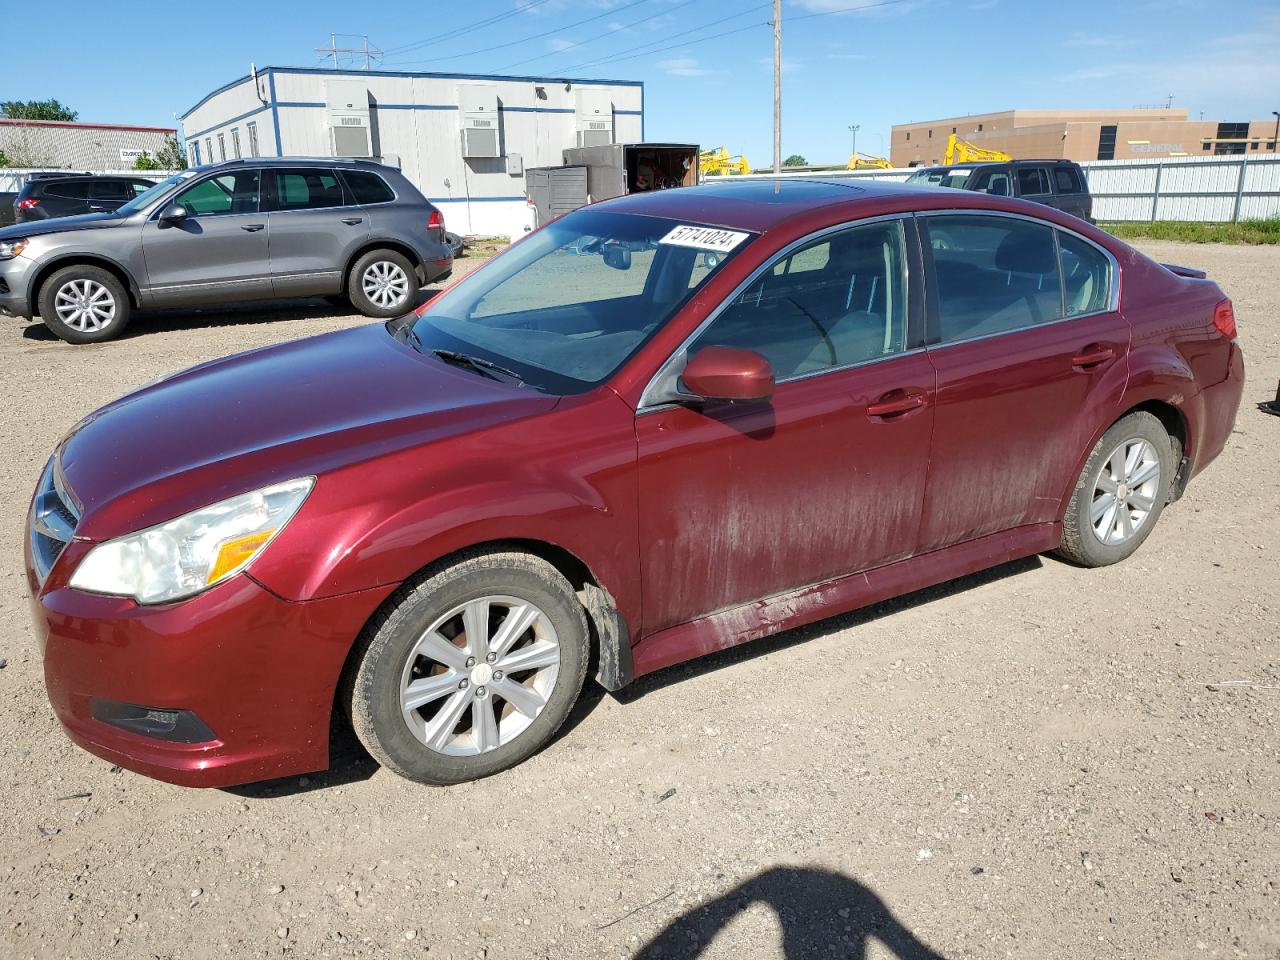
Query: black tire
[381,660]
[1081,543]
[373,261]
[85,277]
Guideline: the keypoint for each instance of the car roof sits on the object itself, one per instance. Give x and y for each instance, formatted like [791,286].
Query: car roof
[361,162]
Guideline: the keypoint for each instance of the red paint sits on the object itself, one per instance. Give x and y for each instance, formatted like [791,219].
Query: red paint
[709,524]
[727,373]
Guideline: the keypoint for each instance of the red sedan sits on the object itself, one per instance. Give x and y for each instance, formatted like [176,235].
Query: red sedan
[655,428]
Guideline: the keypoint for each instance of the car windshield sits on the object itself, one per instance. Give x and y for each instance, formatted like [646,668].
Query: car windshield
[942,177]
[141,201]
[565,308]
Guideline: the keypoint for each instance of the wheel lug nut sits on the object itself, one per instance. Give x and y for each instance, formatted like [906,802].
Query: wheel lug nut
[480,691]
[497,674]
[491,657]
[471,662]
[463,684]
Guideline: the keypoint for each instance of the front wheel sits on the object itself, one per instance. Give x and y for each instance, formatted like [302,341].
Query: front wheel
[472,670]
[383,284]
[1120,493]
[84,304]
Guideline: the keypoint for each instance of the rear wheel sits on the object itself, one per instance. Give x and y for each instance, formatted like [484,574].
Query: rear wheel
[1120,493]
[470,671]
[383,284]
[84,304]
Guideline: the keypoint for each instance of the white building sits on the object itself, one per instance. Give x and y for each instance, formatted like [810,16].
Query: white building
[463,139]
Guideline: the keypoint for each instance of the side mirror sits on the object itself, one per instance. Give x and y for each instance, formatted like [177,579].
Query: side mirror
[172,215]
[728,373]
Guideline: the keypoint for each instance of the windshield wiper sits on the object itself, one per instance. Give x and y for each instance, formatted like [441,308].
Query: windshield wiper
[486,367]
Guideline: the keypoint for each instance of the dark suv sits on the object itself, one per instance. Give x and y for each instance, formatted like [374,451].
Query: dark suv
[257,229]
[47,195]
[1055,183]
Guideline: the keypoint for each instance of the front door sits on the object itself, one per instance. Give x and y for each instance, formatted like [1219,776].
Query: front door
[313,234]
[742,502]
[218,253]
[1027,339]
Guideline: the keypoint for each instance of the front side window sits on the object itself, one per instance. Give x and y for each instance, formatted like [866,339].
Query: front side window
[994,182]
[307,189]
[222,195]
[567,306]
[992,275]
[836,301]
[1086,276]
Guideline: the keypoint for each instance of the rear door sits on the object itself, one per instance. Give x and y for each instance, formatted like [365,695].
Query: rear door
[1025,335]
[1069,188]
[219,252]
[744,501]
[64,198]
[314,231]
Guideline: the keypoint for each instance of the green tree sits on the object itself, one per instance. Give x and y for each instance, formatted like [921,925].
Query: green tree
[4,159]
[37,110]
[795,160]
[168,157]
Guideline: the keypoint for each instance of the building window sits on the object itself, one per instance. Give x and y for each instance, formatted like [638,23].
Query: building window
[953,129]
[930,134]
[222,147]
[195,154]
[253,138]
[979,128]
[1254,145]
[235,142]
[1231,138]
[908,135]
[208,147]
[1207,145]
[1107,142]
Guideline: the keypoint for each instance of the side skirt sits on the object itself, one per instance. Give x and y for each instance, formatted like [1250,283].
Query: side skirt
[761,618]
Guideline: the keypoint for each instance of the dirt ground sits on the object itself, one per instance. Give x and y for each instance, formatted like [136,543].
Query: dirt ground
[1039,761]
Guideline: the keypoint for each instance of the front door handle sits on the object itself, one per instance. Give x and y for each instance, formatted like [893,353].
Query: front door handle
[895,404]
[253,227]
[352,221]
[1092,356]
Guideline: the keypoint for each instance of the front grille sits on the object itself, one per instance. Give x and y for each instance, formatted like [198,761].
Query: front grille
[54,517]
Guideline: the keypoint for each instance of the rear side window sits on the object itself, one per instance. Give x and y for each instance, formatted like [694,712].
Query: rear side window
[992,275]
[1086,276]
[834,302]
[68,190]
[367,187]
[1032,181]
[307,189]
[1066,179]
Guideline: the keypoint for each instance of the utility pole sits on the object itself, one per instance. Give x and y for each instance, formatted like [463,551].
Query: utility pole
[333,50]
[853,129]
[777,86]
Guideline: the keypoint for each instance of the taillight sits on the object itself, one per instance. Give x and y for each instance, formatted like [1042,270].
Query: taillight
[435,221]
[1224,318]
[28,204]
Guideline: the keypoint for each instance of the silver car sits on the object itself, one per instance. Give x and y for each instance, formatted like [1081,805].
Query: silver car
[353,231]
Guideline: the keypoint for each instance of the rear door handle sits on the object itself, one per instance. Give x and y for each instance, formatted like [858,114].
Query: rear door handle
[894,404]
[253,227]
[1092,356]
[352,221]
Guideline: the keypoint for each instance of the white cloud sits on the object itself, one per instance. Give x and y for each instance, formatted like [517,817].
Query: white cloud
[1099,40]
[864,7]
[686,67]
[788,66]
[846,56]
[560,43]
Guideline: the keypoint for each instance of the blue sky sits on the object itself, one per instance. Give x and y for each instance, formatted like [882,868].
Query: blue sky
[891,62]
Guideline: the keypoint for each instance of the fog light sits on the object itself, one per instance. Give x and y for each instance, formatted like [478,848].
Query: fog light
[179,726]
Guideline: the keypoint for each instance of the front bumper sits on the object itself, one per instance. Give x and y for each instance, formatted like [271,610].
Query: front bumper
[260,672]
[14,275]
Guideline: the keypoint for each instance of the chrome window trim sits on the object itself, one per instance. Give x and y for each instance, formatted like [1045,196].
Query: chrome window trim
[678,357]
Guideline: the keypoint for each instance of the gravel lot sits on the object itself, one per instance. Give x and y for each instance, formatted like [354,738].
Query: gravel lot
[1038,761]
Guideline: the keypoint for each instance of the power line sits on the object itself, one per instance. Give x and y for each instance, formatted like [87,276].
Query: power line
[537,36]
[618,55]
[598,36]
[468,28]
[674,46]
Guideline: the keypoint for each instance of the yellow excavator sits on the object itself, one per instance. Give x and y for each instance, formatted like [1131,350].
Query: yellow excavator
[962,151]
[864,161]
[720,163]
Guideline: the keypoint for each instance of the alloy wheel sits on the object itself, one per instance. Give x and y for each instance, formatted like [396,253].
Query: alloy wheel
[385,284]
[479,675]
[85,305]
[1125,491]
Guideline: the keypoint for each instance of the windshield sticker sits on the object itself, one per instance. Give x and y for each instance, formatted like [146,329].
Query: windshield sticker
[704,238]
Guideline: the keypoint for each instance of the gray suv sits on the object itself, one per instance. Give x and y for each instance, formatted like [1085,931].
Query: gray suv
[350,230]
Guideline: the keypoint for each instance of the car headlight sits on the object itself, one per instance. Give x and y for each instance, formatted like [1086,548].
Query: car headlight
[184,556]
[11,248]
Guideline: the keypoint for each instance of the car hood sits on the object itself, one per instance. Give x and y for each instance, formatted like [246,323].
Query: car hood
[84,221]
[242,422]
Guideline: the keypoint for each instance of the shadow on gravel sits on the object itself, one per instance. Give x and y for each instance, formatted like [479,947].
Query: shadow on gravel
[767,645]
[822,914]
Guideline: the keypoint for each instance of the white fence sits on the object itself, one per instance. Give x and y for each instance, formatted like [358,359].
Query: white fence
[1211,189]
